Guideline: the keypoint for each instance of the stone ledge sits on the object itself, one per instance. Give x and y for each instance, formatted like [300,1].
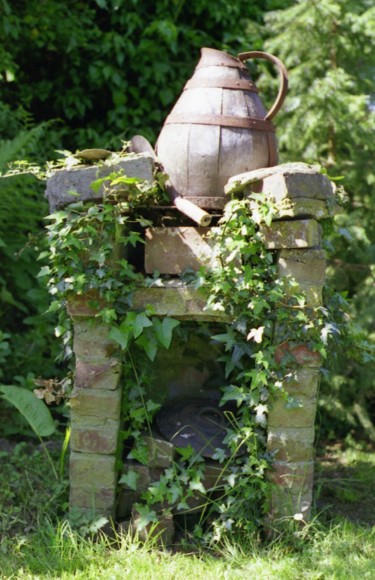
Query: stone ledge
[178,300]
[68,186]
[297,189]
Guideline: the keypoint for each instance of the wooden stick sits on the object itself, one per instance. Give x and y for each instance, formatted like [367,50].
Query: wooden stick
[191,210]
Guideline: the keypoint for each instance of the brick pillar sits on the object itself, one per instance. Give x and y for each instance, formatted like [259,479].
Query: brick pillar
[95,402]
[302,196]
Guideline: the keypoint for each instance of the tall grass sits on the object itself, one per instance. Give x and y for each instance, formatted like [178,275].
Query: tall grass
[37,543]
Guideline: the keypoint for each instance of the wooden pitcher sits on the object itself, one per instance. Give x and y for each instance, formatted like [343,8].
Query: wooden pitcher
[218,128]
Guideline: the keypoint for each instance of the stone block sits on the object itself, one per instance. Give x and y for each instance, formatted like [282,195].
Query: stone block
[290,443]
[91,341]
[99,403]
[105,375]
[302,382]
[303,266]
[174,250]
[95,439]
[93,469]
[301,208]
[161,532]
[92,497]
[160,452]
[291,234]
[68,186]
[179,300]
[125,502]
[285,180]
[297,478]
[298,411]
[143,476]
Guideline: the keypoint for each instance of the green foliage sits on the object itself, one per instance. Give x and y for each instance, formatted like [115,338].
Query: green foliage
[90,255]
[329,117]
[30,493]
[34,410]
[116,58]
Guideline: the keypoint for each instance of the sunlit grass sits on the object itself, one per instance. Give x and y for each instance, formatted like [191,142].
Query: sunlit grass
[35,544]
[341,551]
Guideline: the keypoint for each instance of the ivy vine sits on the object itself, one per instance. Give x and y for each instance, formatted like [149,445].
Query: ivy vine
[90,255]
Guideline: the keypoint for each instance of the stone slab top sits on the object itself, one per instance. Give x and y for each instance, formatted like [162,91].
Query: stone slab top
[73,184]
[238,182]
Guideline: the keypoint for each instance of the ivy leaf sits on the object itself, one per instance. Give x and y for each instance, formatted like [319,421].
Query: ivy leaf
[197,485]
[164,330]
[233,393]
[141,321]
[149,345]
[120,335]
[185,452]
[130,479]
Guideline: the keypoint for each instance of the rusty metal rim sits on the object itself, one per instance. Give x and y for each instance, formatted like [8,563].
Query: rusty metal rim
[220,120]
[236,85]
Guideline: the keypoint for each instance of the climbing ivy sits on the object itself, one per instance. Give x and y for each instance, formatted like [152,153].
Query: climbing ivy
[91,255]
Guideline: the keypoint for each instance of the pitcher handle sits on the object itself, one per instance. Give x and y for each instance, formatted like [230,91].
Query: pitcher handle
[282,74]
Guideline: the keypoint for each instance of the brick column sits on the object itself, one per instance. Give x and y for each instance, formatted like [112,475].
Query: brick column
[95,402]
[302,196]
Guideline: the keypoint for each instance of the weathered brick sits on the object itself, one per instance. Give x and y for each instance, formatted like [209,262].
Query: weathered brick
[79,179]
[161,531]
[290,353]
[160,452]
[286,413]
[291,444]
[174,250]
[143,475]
[92,468]
[91,341]
[304,266]
[302,381]
[104,375]
[88,439]
[99,403]
[286,505]
[291,234]
[93,497]
[313,294]
[297,478]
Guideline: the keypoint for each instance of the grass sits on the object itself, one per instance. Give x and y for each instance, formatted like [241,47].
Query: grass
[34,544]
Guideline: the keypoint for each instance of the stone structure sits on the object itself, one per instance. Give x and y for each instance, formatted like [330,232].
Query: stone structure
[303,197]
